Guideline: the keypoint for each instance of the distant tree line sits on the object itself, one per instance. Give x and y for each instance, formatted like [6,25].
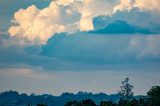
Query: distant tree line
[124,97]
[127,98]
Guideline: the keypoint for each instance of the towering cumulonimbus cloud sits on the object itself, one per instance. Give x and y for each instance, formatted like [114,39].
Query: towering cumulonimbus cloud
[38,25]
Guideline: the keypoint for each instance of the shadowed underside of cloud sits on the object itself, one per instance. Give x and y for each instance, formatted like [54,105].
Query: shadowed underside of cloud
[133,21]
[121,27]
[85,51]
[104,50]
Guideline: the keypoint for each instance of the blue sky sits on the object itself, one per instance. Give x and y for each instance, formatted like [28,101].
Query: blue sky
[74,45]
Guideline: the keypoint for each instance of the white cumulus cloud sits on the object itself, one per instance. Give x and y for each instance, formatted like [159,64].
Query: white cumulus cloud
[124,5]
[92,8]
[141,4]
[148,4]
[39,25]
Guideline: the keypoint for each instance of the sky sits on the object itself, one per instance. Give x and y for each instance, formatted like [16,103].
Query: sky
[61,46]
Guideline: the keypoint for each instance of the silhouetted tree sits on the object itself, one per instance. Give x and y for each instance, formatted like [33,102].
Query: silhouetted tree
[72,103]
[126,90]
[41,105]
[134,102]
[143,101]
[154,95]
[122,102]
[107,103]
[88,102]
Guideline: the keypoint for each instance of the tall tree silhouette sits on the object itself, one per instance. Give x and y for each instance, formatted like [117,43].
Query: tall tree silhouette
[126,90]
[154,95]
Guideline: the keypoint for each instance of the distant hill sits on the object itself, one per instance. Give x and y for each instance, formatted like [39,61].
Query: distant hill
[13,98]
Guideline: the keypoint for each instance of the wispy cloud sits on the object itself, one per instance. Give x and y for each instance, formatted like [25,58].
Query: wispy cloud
[23,72]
